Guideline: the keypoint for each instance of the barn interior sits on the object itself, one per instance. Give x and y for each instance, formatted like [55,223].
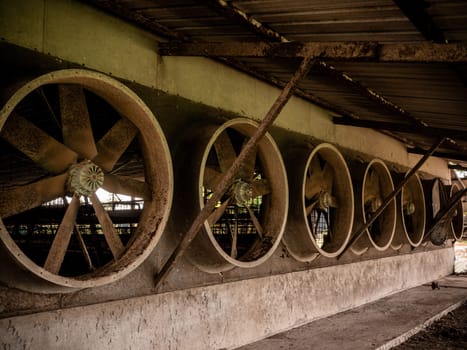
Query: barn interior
[198,174]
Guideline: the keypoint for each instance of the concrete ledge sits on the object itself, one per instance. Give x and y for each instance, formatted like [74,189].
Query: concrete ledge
[225,315]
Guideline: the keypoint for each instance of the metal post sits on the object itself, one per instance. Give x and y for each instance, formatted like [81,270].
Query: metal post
[224,182]
[359,233]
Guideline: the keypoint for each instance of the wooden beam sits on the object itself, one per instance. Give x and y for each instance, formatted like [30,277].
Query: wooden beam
[339,51]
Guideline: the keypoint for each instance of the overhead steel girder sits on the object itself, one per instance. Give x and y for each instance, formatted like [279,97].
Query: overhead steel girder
[340,51]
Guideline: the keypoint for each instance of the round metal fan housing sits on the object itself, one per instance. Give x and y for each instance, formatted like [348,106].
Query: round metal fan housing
[321,202]
[371,188]
[457,221]
[68,134]
[247,224]
[411,214]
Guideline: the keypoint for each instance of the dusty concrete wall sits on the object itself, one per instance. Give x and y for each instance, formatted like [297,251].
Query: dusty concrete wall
[225,315]
[78,33]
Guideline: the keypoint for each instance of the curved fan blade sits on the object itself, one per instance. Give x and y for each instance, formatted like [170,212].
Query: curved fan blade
[256,222]
[225,151]
[311,206]
[114,143]
[126,185]
[247,170]
[314,183]
[76,126]
[111,236]
[372,188]
[19,199]
[218,212]
[211,177]
[234,234]
[327,178]
[37,145]
[407,195]
[62,238]
[260,187]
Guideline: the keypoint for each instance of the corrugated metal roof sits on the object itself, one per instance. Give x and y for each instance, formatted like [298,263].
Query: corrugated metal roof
[396,93]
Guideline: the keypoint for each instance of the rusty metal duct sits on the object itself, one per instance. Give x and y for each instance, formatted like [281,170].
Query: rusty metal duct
[372,184]
[77,152]
[321,202]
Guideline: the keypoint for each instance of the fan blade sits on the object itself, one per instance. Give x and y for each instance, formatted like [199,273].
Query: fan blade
[260,187]
[256,222]
[111,236]
[247,169]
[211,177]
[310,207]
[126,185]
[37,145]
[218,212]
[62,238]
[76,126]
[114,143]
[407,196]
[19,199]
[372,188]
[327,178]
[225,151]
[234,250]
[314,181]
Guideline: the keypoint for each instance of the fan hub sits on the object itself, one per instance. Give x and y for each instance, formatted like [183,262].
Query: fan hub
[242,191]
[325,200]
[409,208]
[85,178]
[375,203]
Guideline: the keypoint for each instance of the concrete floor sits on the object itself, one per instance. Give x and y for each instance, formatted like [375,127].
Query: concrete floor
[378,325]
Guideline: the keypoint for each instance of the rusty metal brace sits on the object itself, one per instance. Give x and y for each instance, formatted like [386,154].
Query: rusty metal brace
[443,215]
[361,231]
[224,182]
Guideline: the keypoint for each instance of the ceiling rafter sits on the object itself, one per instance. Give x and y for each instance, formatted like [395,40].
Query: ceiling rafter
[167,33]
[225,8]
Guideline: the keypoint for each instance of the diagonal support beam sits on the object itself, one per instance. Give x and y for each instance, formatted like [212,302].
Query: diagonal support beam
[226,179]
[361,231]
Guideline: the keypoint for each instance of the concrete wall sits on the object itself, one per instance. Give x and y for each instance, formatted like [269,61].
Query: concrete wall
[197,310]
[225,315]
